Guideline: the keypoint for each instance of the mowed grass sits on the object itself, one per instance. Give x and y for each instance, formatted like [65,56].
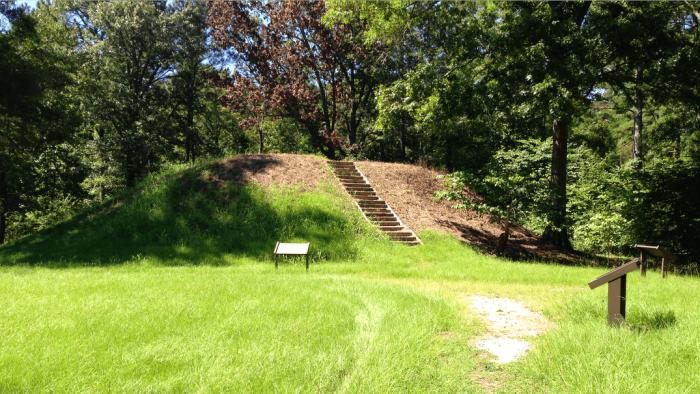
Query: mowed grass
[202,309]
[201,329]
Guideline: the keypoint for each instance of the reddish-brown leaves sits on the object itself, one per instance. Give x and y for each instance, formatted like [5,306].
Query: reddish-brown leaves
[287,64]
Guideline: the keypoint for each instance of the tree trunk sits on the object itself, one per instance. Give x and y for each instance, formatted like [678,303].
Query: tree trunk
[190,115]
[557,234]
[503,238]
[3,197]
[448,155]
[402,139]
[187,146]
[190,155]
[130,169]
[352,131]
[637,110]
[100,151]
[260,133]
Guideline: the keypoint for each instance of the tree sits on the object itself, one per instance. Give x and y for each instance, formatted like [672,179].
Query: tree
[189,85]
[639,62]
[130,55]
[530,60]
[290,65]
[35,114]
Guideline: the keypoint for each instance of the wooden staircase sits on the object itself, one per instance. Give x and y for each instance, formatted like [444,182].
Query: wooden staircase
[374,209]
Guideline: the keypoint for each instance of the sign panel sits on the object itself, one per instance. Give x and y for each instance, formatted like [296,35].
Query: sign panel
[295,249]
[624,269]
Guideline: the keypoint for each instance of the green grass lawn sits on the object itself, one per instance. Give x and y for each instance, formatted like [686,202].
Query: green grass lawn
[175,290]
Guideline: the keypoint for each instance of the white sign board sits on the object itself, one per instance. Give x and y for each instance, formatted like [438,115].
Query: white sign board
[296,249]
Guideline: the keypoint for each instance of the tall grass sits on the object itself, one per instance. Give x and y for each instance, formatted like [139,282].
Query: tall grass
[172,289]
[208,329]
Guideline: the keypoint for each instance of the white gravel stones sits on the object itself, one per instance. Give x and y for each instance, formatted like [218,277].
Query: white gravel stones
[506,349]
[509,321]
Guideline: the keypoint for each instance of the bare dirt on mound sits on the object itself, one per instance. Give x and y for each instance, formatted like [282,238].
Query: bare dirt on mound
[409,190]
[273,169]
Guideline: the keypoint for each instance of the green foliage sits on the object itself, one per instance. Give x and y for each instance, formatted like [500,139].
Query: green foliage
[599,203]
[140,80]
[37,116]
[518,178]
[664,209]
[281,136]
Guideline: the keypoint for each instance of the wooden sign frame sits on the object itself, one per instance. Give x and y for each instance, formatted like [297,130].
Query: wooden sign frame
[655,251]
[293,250]
[617,290]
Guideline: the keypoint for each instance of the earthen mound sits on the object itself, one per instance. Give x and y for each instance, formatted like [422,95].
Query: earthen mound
[409,190]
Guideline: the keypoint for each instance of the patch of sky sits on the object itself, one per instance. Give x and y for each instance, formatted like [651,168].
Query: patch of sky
[31,4]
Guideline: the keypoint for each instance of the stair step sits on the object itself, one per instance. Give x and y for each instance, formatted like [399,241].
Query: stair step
[375,210]
[378,204]
[380,215]
[404,238]
[399,233]
[354,182]
[383,223]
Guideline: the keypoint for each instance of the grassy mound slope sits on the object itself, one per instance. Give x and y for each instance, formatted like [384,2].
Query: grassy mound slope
[187,215]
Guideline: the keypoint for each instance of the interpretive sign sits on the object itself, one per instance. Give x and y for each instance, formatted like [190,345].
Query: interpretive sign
[655,251]
[293,249]
[617,290]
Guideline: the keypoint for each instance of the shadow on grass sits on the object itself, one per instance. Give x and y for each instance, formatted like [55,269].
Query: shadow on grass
[522,249]
[648,321]
[191,219]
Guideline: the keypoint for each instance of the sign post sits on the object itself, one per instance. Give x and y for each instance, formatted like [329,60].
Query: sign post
[655,251]
[292,249]
[617,290]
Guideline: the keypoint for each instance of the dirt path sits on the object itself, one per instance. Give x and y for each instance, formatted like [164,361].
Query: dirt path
[510,323]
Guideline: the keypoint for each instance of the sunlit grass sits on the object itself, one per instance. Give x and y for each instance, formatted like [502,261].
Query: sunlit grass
[176,291]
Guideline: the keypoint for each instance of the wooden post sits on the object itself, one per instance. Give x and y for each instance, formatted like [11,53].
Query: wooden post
[276,255]
[665,263]
[642,263]
[655,251]
[617,292]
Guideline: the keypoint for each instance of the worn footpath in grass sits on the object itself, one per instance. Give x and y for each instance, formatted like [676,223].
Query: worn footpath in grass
[174,290]
[203,329]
